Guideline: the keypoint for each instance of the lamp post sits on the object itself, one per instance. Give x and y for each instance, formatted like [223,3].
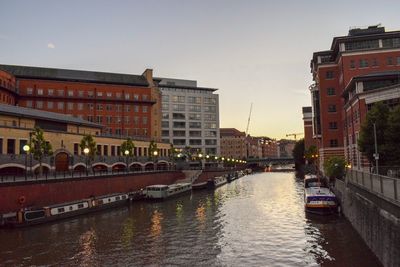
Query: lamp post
[155,154]
[126,152]
[86,151]
[200,160]
[26,148]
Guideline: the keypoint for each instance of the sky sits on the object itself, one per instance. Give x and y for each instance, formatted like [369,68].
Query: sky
[252,51]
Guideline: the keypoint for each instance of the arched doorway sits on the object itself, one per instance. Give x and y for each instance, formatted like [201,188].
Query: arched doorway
[62,162]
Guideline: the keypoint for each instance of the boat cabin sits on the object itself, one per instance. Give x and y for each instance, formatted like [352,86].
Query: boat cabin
[314,181]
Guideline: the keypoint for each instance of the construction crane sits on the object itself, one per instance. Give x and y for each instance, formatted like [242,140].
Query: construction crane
[248,121]
[294,135]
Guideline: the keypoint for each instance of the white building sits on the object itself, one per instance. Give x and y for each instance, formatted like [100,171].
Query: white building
[190,116]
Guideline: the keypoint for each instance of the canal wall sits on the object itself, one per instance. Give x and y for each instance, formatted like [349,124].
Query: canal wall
[375,217]
[205,175]
[42,193]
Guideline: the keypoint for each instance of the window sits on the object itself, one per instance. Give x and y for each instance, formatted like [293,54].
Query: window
[112,150]
[389,61]
[60,105]
[164,133]
[99,119]
[179,124]
[374,62]
[108,119]
[165,124]
[10,146]
[60,92]
[109,94]
[1,145]
[99,107]
[118,108]
[211,142]
[50,92]
[333,142]
[80,106]
[209,125]
[76,148]
[195,142]
[363,63]
[195,108]
[352,64]
[194,100]
[331,91]
[136,108]
[108,107]
[210,133]
[208,100]
[178,116]
[80,93]
[118,95]
[90,94]
[22,143]
[29,91]
[210,109]
[98,150]
[194,124]
[127,96]
[50,105]
[70,93]
[39,104]
[194,116]
[70,106]
[178,99]
[358,45]
[145,97]
[29,103]
[329,75]
[144,109]
[333,125]
[195,133]
[210,117]
[165,106]
[165,98]
[398,60]
[40,91]
[178,107]
[165,116]
[100,94]
[179,133]
[179,142]
[136,120]
[331,108]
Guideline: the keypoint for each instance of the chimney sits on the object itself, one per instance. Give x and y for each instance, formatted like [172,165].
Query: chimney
[148,74]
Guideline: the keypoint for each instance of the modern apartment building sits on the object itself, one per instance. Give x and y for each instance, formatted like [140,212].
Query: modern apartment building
[190,116]
[363,52]
[125,104]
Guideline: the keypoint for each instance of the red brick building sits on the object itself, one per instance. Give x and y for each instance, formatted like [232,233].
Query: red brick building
[125,104]
[361,52]
[308,128]
[233,143]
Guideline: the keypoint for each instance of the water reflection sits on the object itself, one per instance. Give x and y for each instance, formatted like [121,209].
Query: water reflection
[258,220]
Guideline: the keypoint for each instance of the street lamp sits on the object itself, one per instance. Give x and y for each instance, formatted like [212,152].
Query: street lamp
[126,152]
[155,154]
[26,148]
[86,152]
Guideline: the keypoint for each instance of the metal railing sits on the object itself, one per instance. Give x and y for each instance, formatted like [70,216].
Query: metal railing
[383,186]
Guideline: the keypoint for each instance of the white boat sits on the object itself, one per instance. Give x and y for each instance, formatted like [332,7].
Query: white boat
[161,191]
[216,182]
[318,198]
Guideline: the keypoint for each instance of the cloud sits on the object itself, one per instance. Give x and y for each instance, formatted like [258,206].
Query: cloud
[51,45]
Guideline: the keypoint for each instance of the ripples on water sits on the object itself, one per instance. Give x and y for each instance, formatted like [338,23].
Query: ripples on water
[258,220]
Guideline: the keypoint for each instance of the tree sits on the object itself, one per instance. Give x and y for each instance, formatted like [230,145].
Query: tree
[379,115]
[40,148]
[392,138]
[311,154]
[334,167]
[152,149]
[298,153]
[172,152]
[127,145]
[88,142]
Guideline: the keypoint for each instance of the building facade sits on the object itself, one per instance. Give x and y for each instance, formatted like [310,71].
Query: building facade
[190,116]
[308,128]
[125,104]
[233,143]
[361,52]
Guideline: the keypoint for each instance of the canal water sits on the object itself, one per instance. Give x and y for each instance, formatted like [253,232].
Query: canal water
[258,220]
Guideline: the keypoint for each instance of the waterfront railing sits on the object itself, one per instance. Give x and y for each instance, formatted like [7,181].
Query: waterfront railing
[384,186]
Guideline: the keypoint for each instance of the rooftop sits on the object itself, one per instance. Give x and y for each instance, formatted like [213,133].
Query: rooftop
[74,75]
[44,115]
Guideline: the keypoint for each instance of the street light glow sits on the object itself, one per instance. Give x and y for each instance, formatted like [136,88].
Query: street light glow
[155,152]
[200,155]
[126,152]
[26,148]
[86,150]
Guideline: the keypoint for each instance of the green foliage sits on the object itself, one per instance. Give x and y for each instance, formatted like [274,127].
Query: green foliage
[39,147]
[379,114]
[311,154]
[334,167]
[298,153]
[127,145]
[172,152]
[88,142]
[152,149]
[392,138]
